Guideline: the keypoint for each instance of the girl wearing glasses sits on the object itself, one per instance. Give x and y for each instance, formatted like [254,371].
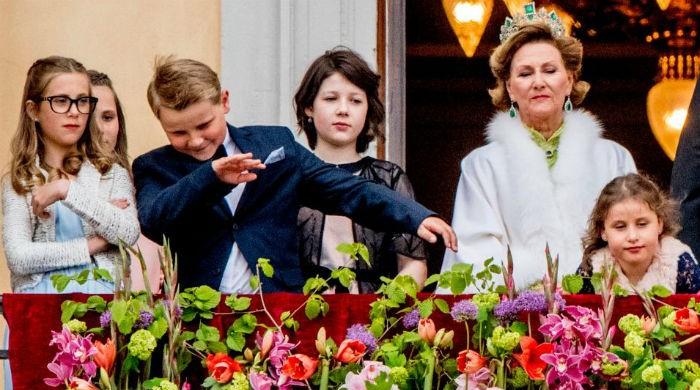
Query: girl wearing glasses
[60,198]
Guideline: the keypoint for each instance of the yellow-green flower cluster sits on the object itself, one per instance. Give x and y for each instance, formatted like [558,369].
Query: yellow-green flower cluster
[141,344]
[630,323]
[652,374]
[690,370]
[668,321]
[76,326]
[611,369]
[695,385]
[165,385]
[520,378]
[486,300]
[238,382]
[398,374]
[634,344]
[504,339]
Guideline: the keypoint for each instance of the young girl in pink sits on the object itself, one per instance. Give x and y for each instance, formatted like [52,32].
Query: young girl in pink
[632,229]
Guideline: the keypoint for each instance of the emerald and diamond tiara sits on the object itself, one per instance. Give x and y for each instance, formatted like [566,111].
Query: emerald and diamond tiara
[511,26]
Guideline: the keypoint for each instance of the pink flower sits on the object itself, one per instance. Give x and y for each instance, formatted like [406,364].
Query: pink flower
[350,351]
[259,381]
[565,368]
[586,322]
[280,349]
[81,384]
[426,330]
[370,372]
[63,372]
[478,380]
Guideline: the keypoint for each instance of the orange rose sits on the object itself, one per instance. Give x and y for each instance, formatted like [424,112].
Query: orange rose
[687,321]
[106,353]
[299,367]
[426,330]
[469,361]
[350,351]
[221,367]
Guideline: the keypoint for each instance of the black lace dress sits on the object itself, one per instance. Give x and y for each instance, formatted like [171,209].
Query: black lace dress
[383,245]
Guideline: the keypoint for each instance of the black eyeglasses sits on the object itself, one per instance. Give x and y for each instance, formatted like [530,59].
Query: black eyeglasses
[61,104]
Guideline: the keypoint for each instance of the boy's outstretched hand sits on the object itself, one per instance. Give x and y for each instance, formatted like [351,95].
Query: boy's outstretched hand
[236,169]
[432,227]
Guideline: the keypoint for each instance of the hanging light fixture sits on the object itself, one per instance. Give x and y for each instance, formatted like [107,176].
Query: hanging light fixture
[516,6]
[468,19]
[663,4]
[668,101]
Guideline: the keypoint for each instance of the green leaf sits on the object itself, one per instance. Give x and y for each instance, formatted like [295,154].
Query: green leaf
[199,345]
[672,349]
[97,303]
[597,281]
[82,276]
[67,310]
[457,284]
[572,283]
[209,382]
[425,308]
[344,275]
[432,279]
[245,324]
[237,304]
[659,291]
[235,341]
[208,297]
[315,284]
[346,249]
[312,309]
[442,305]
[100,273]
[465,268]
[216,346]
[266,267]
[207,333]
[519,327]
[60,282]
[254,282]
[363,252]
[118,310]
[158,327]
[620,291]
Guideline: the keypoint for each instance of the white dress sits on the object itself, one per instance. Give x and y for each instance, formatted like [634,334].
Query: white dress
[508,196]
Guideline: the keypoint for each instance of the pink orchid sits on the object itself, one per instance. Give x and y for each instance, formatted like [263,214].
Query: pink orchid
[586,322]
[63,374]
[565,368]
[260,381]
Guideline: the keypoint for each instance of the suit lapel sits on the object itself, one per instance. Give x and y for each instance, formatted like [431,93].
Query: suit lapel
[245,142]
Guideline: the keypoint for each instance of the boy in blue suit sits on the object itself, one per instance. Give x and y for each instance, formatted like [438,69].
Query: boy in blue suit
[223,208]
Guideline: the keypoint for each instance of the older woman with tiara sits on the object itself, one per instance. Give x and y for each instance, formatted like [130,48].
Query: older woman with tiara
[537,179]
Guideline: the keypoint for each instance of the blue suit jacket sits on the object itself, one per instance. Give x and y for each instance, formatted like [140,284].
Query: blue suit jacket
[181,198]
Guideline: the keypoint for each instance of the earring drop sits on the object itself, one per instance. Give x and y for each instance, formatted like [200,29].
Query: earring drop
[567,105]
[309,120]
[512,111]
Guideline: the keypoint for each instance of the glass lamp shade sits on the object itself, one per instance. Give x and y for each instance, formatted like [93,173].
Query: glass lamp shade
[468,19]
[667,108]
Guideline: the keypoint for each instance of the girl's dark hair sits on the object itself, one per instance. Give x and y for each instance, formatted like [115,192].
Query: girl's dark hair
[351,66]
[630,186]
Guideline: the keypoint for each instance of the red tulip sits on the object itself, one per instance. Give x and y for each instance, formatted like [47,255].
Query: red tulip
[350,351]
[106,353]
[469,361]
[530,358]
[299,367]
[426,330]
[687,320]
[221,367]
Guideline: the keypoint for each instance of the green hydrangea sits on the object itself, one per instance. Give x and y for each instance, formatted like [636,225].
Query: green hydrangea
[486,300]
[690,370]
[634,344]
[238,382]
[398,374]
[520,378]
[505,340]
[695,385]
[141,344]
[668,320]
[630,323]
[652,374]
[76,326]
[612,369]
[165,385]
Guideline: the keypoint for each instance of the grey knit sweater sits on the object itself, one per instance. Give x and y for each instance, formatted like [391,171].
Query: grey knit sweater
[30,242]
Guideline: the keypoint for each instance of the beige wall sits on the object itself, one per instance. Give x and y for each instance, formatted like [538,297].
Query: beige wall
[117,37]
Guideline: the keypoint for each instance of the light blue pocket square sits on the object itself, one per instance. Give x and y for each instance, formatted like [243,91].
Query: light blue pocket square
[274,156]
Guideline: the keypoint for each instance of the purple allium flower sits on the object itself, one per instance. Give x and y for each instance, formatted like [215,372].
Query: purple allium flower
[178,310]
[145,320]
[361,333]
[105,319]
[410,319]
[507,310]
[531,302]
[464,310]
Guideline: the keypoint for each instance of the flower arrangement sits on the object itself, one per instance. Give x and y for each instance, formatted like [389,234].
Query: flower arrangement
[497,338]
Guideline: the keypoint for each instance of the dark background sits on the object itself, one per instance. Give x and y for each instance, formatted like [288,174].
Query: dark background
[448,105]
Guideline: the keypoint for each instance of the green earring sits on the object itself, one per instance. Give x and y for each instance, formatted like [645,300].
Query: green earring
[512,111]
[567,105]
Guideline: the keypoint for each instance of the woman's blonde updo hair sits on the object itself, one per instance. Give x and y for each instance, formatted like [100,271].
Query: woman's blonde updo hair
[571,52]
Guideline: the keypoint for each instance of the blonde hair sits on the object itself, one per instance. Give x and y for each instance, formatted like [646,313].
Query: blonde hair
[179,83]
[501,59]
[631,186]
[99,79]
[28,144]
